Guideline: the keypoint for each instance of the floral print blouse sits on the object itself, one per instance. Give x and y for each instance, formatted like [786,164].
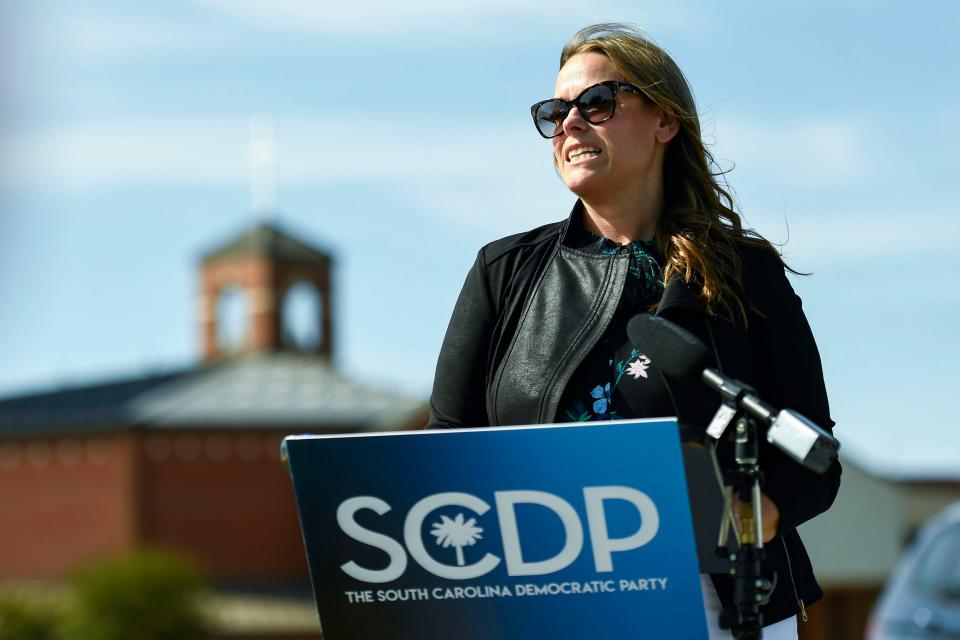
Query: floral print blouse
[616,380]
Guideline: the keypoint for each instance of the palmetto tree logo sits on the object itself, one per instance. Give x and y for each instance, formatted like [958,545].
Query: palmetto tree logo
[456,533]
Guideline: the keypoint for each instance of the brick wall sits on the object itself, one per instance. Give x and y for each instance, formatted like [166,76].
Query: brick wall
[225,499]
[63,501]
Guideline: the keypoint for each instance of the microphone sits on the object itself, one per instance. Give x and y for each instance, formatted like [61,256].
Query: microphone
[681,355]
[676,352]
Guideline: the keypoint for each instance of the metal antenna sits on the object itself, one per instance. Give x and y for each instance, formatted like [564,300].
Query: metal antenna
[263,168]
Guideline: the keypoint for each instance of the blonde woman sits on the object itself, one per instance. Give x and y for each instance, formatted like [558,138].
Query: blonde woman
[538,334]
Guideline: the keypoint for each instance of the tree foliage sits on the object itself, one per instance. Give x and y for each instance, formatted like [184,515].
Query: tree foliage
[23,619]
[148,595]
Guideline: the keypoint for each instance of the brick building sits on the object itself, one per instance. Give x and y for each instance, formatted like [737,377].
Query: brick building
[190,459]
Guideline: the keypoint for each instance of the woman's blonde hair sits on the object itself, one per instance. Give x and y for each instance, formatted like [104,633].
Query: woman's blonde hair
[699,229]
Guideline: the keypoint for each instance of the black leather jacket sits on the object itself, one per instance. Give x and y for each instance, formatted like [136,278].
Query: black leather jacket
[531,310]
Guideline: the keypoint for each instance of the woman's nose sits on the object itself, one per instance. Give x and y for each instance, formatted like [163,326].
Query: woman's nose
[574,122]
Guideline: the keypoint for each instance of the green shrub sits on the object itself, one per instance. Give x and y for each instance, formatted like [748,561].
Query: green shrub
[148,595]
[22,619]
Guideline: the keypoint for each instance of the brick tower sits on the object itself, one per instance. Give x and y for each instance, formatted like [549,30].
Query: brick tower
[266,291]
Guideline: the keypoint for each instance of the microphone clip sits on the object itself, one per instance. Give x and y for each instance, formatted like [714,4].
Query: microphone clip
[731,393]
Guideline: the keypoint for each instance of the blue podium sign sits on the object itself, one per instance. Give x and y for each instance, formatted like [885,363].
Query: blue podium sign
[562,532]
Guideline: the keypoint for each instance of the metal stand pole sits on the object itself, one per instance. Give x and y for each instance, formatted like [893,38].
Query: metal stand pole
[751,588]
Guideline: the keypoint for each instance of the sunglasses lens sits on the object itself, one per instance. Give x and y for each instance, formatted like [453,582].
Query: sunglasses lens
[550,116]
[597,104]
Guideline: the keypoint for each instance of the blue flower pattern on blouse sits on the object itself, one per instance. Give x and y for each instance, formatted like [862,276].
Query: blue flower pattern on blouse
[603,398]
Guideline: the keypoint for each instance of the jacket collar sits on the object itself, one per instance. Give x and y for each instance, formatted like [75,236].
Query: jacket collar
[677,294]
[680,294]
[573,220]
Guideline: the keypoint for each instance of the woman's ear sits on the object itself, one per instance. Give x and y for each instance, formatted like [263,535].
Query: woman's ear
[667,127]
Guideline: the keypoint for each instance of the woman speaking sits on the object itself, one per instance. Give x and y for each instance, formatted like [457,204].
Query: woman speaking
[539,335]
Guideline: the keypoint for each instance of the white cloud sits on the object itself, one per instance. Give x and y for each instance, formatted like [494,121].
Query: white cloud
[433,165]
[836,236]
[499,205]
[111,36]
[447,18]
[106,154]
[99,36]
[160,150]
[809,153]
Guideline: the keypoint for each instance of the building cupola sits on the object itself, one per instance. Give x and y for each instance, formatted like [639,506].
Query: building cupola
[266,291]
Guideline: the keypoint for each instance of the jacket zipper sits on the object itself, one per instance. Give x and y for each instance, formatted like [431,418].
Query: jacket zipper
[566,374]
[803,609]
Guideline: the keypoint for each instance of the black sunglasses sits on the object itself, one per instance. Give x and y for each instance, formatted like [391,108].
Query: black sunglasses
[596,104]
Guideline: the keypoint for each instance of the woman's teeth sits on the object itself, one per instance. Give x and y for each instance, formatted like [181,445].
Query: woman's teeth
[583,151]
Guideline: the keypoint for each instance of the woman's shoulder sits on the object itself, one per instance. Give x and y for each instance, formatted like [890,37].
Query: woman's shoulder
[761,263]
[542,237]
[764,277]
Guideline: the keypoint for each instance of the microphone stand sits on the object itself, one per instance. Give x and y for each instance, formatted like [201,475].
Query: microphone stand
[682,355]
[802,440]
[751,589]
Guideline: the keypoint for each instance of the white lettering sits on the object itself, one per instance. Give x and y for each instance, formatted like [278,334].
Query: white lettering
[603,545]
[398,558]
[573,532]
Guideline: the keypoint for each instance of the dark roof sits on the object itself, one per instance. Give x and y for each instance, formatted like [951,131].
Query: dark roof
[91,407]
[284,391]
[267,239]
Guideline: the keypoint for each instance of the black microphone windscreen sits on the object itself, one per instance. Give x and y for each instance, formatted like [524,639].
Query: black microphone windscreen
[672,349]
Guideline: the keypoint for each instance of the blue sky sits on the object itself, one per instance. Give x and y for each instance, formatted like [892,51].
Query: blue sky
[404,144]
